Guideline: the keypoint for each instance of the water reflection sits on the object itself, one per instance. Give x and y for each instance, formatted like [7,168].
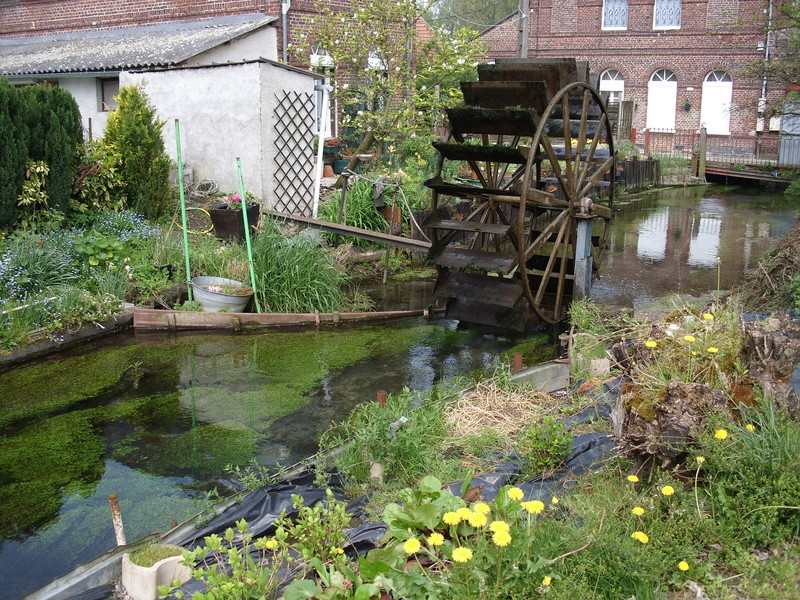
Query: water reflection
[685,240]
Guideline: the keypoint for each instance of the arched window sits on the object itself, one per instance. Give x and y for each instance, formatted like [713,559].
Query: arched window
[715,106]
[662,95]
[615,14]
[667,14]
[611,81]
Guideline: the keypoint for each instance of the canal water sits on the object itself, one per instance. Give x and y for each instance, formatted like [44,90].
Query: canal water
[158,418]
[689,241]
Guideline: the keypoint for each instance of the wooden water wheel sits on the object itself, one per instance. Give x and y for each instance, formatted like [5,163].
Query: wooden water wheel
[540,200]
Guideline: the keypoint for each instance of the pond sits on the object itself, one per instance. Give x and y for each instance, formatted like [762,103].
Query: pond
[157,418]
[670,242]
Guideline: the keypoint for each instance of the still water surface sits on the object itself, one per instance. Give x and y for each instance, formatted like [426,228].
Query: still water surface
[670,242]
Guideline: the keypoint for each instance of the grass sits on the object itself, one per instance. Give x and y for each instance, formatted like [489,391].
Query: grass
[150,555]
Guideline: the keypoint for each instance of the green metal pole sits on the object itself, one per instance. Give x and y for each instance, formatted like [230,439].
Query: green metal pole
[247,234]
[183,210]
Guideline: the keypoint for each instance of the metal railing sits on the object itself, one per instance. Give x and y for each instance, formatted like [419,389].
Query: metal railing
[764,149]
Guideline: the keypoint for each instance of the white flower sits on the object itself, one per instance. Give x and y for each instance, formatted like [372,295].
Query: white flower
[423,88]
[461,61]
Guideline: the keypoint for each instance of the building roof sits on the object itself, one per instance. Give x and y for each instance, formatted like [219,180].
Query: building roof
[159,45]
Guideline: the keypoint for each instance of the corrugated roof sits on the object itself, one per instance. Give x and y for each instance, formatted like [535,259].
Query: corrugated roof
[117,49]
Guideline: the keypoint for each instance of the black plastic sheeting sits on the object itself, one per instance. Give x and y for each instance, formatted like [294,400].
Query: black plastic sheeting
[264,506]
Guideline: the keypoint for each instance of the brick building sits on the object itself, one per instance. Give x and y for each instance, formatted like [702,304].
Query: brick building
[681,62]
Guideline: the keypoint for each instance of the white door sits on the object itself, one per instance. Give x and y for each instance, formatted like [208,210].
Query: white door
[715,106]
[662,96]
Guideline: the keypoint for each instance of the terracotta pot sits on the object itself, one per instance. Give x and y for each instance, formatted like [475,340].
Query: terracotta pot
[327,171]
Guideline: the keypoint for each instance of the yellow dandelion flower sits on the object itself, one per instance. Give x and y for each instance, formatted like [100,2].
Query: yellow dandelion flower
[683,565]
[668,490]
[271,544]
[451,518]
[340,551]
[721,434]
[700,460]
[554,500]
[651,343]
[463,513]
[515,493]
[462,554]
[689,338]
[482,507]
[633,479]
[640,536]
[750,427]
[708,316]
[694,353]
[477,519]
[547,580]
[533,506]
[501,538]
[412,545]
[436,539]
[712,349]
[638,511]
[496,526]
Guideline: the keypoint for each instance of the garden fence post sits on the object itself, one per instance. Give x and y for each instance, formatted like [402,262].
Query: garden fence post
[183,210]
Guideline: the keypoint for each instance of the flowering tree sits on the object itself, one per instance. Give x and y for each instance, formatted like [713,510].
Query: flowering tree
[385,76]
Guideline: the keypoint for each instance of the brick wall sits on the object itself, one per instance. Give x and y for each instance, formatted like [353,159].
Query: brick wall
[714,34]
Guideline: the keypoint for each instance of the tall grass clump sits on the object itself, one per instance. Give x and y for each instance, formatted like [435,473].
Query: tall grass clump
[359,212]
[295,274]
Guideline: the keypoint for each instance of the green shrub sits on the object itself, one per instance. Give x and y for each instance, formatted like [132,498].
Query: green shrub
[792,192]
[543,447]
[134,132]
[13,152]
[99,184]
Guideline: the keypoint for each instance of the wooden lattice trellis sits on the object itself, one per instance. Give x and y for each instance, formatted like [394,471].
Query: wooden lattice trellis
[294,173]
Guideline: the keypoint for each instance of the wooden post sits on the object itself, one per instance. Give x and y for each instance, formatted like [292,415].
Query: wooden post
[583,257]
[381,396]
[116,519]
[517,362]
[701,164]
[524,31]
[646,142]
[343,199]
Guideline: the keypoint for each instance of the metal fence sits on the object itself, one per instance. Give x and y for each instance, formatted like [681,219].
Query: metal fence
[764,149]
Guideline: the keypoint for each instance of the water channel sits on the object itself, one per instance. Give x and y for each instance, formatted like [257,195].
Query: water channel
[156,418]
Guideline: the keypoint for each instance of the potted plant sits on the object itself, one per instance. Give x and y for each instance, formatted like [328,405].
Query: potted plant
[686,104]
[152,566]
[227,217]
[220,293]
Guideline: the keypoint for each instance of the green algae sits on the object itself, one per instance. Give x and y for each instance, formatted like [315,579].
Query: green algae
[534,351]
[37,463]
[44,388]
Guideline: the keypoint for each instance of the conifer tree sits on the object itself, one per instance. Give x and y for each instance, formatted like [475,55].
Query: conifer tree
[135,131]
[13,153]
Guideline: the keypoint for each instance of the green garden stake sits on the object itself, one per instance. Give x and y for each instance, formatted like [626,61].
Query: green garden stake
[247,234]
[183,209]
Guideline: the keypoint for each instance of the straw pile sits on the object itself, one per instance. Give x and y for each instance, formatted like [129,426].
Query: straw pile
[488,406]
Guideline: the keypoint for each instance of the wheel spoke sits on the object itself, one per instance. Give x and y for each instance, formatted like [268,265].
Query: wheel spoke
[596,176]
[551,261]
[567,140]
[562,275]
[551,155]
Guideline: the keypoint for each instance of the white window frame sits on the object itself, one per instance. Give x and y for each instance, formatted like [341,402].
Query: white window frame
[662,94]
[607,5]
[664,6]
[612,81]
[717,85]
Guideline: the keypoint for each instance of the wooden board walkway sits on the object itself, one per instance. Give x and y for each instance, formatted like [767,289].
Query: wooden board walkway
[727,173]
[346,230]
[173,320]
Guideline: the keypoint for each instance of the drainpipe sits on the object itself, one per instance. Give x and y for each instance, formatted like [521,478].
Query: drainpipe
[326,101]
[285,6]
[762,103]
